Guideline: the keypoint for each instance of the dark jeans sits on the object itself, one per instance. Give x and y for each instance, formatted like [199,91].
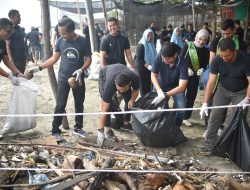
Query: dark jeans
[114,105]
[63,89]
[191,93]
[222,97]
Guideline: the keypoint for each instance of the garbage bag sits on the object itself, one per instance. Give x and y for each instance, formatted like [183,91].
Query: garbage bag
[155,129]
[23,101]
[234,142]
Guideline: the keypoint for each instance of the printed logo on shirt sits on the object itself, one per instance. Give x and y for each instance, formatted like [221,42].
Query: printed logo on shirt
[71,55]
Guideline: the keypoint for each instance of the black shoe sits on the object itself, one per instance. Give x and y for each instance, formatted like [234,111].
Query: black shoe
[110,135]
[205,151]
[127,127]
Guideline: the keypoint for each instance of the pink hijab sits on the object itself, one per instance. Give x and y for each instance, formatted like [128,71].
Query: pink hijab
[201,33]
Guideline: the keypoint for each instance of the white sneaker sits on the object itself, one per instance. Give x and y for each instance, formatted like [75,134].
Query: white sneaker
[187,123]
[204,134]
[220,131]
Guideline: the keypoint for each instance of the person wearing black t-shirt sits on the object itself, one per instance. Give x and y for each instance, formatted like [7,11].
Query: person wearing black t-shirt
[197,57]
[228,31]
[233,87]
[75,54]
[113,46]
[16,43]
[113,78]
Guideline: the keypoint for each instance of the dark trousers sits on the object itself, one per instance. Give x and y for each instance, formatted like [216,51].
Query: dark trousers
[145,81]
[114,105]
[63,89]
[191,93]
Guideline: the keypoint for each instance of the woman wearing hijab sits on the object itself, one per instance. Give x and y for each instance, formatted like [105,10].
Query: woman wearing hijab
[197,58]
[176,37]
[145,56]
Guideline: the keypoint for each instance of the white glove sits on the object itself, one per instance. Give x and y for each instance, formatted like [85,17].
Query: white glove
[204,109]
[14,80]
[78,74]
[244,103]
[100,137]
[149,67]
[159,98]
[190,72]
[34,69]
[200,72]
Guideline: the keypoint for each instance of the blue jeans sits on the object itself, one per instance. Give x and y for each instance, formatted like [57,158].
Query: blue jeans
[205,77]
[179,102]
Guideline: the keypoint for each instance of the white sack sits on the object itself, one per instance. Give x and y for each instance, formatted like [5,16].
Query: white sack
[23,101]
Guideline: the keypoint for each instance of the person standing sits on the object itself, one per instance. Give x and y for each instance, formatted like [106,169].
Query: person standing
[99,34]
[145,56]
[75,54]
[190,34]
[169,76]
[34,43]
[239,30]
[113,78]
[176,37]
[6,30]
[16,42]
[233,87]
[114,45]
[197,58]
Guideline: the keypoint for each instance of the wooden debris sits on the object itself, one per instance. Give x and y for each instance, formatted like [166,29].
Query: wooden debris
[209,186]
[126,178]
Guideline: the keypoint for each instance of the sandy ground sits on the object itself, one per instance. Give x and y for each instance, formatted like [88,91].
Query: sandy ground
[46,104]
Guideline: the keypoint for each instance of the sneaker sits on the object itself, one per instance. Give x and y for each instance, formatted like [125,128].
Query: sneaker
[187,123]
[204,134]
[220,131]
[110,135]
[80,132]
[59,137]
[205,151]
[127,127]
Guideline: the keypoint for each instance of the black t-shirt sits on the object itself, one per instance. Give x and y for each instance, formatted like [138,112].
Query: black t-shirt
[114,47]
[33,37]
[203,56]
[233,76]
[111,72]
[72,55]
[3,50]
[215,42]
[86,31]
[17,45]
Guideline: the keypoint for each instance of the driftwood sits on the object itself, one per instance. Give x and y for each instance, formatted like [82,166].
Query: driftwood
[72,182]
[55,180]
[126,178]
[234,185]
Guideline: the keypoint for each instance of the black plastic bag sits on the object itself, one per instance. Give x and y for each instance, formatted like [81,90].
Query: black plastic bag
[234,142]
[155,129]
